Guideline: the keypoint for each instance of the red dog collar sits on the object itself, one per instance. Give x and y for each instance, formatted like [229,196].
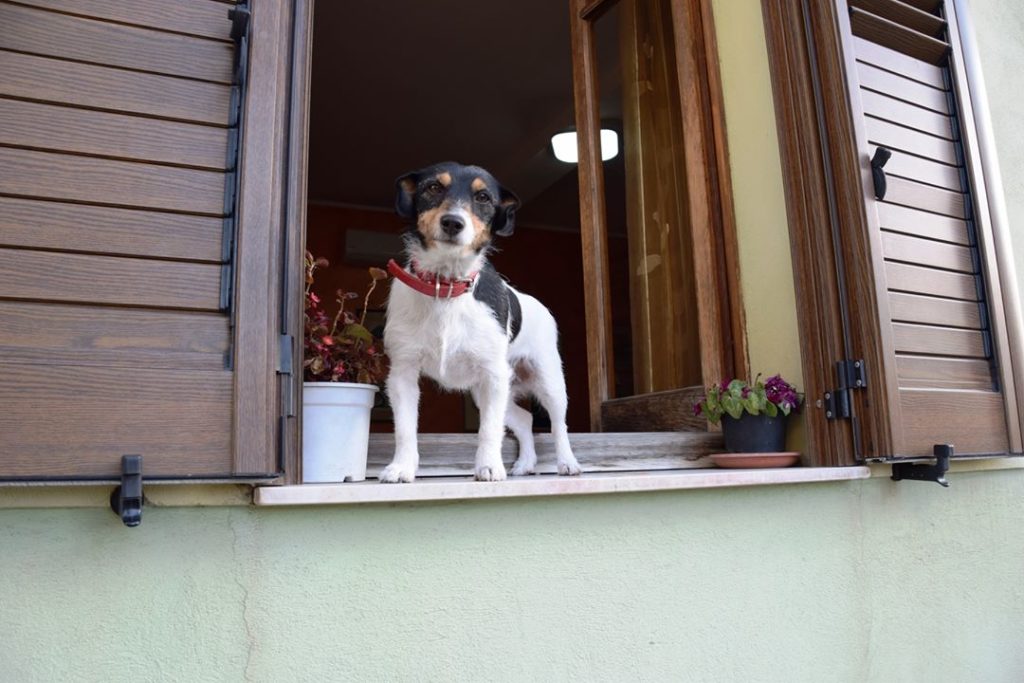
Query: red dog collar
[430,284]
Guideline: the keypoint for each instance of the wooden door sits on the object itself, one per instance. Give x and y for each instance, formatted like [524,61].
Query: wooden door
[947,374]
[139,282]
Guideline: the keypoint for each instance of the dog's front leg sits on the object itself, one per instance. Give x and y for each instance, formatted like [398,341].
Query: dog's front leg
[403,389]
[492,396]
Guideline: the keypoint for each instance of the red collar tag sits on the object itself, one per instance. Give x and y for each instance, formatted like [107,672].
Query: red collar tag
[430,284]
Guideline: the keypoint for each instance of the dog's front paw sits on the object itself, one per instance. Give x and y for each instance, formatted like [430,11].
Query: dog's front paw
[491,472]
[568,465]
[524,465]
[395,473]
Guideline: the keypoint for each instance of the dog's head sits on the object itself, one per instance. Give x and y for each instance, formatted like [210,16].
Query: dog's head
[457,209]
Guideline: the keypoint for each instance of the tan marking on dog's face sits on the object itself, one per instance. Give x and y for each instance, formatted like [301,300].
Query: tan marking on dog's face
[429,224]
[478,184]
[445,179]
[481,234]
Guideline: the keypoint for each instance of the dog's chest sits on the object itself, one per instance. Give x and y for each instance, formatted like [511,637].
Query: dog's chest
[454,341]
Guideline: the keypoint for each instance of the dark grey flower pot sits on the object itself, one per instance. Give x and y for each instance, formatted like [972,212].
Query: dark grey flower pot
[754,433]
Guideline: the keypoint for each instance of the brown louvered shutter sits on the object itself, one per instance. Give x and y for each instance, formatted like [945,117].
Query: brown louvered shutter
[944,330]
[122,330]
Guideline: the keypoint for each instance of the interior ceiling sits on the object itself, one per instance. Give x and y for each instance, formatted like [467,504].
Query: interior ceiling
[400,85]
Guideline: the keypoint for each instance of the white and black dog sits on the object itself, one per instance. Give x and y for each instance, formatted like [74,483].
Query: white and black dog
[451,317]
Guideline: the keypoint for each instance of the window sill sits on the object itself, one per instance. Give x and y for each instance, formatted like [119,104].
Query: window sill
[463,488]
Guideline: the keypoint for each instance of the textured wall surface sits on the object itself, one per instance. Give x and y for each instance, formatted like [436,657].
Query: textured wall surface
[859,581]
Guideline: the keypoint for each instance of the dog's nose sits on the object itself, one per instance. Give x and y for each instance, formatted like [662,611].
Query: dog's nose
[451,224]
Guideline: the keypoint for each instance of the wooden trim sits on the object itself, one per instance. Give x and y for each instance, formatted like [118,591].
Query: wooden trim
[258,283]
[794,65]
[716,279]
[295,231]
[990,213]
[593,228]
[736,329]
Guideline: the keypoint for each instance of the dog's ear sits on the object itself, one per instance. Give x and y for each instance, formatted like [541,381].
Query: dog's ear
[405,195]
[505,218]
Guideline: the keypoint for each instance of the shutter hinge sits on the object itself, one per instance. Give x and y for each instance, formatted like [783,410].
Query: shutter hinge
[126,499]
[286,345]
[837,402]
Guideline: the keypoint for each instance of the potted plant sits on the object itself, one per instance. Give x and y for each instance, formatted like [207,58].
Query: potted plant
[753,415]
[342,368]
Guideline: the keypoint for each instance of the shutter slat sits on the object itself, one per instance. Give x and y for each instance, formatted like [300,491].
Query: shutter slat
[105,88]
[922,223]
[924,171]
[898,37]
[927,310]
[925,197]
[932,6]
[45,175]
[77,278]
[930,281]
[905,114]
[976,420]
[49,34]
[904,14]
[894,85]
[193,17]
[943,373]
[112,337]
[66,129]
[909,249]
[96,412]
[938,341]
[899,63]
[126,232]
[907,140]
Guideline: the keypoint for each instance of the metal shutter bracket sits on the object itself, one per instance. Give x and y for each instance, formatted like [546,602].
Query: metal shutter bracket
[240,17]
[127,499]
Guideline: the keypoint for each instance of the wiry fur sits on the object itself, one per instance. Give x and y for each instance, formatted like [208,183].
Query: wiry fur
[460,343]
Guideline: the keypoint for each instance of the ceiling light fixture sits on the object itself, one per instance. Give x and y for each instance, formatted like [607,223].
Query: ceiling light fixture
[565,149]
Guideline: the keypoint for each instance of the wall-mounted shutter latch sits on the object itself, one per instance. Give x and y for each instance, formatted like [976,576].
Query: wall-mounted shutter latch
[882,155]
[126,500]
[837,402]
[925,472]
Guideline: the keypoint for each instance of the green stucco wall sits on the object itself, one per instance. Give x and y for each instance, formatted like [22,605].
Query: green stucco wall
[848,582]
[860,581]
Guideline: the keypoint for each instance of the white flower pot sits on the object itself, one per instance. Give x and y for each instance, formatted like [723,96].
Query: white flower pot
[335,431]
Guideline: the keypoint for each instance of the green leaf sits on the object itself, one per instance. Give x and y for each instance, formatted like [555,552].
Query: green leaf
[732,406]
[358,331]
[771,410]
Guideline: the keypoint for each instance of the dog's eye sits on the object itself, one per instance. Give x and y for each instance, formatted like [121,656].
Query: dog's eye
[434,188]
[482,197]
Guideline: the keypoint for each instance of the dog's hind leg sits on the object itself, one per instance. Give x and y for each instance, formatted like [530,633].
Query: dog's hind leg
[549,388]
[520,421]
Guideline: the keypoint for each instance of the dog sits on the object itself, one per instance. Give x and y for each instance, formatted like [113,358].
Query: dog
[452,317]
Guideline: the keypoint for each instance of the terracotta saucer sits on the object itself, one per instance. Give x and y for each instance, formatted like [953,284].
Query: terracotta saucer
[755,460]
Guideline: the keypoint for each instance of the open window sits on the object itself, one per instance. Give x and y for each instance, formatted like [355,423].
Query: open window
[633,254]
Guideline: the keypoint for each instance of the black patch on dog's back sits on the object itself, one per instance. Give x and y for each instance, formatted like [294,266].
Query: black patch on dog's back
[491,290]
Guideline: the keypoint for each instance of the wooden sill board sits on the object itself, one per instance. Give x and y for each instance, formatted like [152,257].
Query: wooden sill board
[463,488]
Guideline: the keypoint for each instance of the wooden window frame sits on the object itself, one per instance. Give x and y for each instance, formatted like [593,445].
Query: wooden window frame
[709,201]
[825,182]
[710,204]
